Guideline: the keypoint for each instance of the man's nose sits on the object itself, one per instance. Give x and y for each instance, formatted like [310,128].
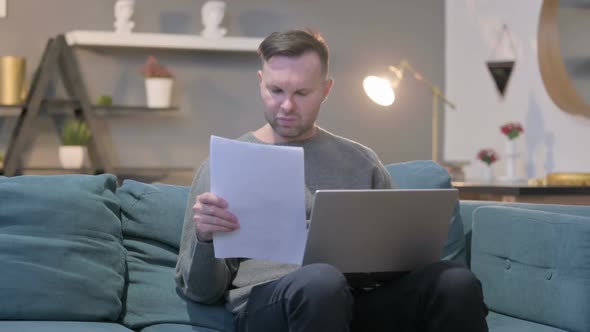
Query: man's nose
[288,104]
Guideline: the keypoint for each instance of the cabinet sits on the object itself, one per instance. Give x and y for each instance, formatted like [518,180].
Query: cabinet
[59,57]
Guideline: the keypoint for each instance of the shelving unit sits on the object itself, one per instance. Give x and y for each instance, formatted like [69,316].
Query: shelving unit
[59,57]
[56,106]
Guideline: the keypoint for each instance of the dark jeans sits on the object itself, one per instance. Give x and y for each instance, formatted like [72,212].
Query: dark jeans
[443,296]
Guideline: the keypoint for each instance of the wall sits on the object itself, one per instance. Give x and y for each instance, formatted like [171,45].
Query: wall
[553,140]
[218,92]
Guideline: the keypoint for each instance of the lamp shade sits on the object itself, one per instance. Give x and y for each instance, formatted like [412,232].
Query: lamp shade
[379,89]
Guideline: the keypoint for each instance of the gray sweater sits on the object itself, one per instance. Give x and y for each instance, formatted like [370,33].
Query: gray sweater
[331,162]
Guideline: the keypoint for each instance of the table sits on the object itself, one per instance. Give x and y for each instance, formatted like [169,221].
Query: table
[523,192]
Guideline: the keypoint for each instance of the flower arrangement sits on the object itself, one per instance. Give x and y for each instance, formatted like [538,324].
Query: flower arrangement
[488,156]
[512,130]
[152,68]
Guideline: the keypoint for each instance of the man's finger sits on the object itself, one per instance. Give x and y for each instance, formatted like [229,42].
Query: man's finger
[209,198]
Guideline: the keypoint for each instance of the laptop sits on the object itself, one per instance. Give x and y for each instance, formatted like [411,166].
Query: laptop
[379,232]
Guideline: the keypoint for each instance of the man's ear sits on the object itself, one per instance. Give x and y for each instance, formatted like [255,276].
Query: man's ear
[259,76]
[328,87]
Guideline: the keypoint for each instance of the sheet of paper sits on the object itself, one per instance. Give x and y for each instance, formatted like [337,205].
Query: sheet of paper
[264,186]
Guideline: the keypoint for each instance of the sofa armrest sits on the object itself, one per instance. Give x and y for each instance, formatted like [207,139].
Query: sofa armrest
[534,265]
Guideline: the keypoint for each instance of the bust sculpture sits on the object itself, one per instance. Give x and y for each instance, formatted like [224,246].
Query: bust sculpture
[123,13]
[212,14]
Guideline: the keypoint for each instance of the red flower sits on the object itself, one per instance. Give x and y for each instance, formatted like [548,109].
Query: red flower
[488,156]
[152,68]
[512,130]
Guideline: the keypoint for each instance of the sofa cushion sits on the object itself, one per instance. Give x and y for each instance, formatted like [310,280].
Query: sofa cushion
[152,217]
[534,265]
[502,323]
[175,328]
[61,251]
[426,174]
[50,326]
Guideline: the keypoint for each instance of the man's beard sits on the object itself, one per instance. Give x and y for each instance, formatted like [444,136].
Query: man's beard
[290,132]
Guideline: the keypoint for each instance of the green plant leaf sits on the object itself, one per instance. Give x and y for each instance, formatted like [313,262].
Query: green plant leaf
[75,132]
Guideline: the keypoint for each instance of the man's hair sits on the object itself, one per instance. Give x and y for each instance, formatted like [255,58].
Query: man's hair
[293,43]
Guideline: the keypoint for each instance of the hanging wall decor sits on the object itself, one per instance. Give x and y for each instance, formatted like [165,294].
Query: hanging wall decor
[501,67]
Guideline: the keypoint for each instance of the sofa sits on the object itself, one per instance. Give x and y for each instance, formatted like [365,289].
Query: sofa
[85,253]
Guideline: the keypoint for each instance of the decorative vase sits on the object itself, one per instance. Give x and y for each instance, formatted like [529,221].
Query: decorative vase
[487,174]
[158,92]
[71,156]
[511,157]
[12,76]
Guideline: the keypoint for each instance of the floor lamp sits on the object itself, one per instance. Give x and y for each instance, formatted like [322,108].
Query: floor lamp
[382,92]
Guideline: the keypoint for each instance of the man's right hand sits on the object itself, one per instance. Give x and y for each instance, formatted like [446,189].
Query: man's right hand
[211,215]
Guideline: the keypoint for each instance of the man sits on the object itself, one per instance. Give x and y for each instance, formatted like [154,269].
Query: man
[269,296]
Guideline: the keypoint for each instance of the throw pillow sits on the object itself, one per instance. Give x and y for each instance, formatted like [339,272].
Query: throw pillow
[152,217]
[60,248]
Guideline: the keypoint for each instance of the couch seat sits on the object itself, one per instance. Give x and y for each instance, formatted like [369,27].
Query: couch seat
[50,326]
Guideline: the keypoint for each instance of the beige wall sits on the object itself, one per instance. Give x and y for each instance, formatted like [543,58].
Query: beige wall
[217,92]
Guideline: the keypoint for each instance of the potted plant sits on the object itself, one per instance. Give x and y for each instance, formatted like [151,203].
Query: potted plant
[158,83]
[75,135]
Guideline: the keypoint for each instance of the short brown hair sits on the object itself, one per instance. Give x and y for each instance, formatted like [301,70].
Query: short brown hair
[293,43]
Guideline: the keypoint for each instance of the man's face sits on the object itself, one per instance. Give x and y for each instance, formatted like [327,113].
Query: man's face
[292,90]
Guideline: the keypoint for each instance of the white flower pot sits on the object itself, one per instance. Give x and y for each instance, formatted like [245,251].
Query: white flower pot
[487,174]
[158,91]
[71,156]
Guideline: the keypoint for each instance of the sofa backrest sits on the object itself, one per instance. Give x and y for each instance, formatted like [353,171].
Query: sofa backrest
[61,250]
[468,207]
[426,174]
[534,265]
[152,217]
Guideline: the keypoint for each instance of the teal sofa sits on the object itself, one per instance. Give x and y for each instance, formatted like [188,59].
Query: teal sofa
[81,253]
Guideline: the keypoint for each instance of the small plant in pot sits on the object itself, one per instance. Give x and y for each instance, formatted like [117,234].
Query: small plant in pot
[75,135]
[158,83]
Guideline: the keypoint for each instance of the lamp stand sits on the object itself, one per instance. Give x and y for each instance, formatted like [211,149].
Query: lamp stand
[434,127]
[436,94]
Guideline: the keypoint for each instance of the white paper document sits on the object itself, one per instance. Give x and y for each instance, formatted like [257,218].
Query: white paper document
[264,186]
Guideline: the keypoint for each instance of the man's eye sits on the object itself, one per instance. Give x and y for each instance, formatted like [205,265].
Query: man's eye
[276,90]
[301,93]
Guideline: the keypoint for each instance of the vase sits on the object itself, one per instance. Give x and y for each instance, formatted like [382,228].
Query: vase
[487,174]
[511,156]
[12,75]
[158,92]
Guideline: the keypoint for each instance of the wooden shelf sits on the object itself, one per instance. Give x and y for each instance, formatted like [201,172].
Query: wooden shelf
[58,106]
[143,174]
[160,41]
[10,110]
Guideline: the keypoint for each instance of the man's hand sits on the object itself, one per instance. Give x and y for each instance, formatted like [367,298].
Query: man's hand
[211,215]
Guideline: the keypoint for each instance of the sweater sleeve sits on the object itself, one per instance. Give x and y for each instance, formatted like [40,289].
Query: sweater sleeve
[199,275]
[381,178]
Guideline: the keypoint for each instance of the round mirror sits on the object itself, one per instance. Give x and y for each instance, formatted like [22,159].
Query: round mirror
[564,53]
